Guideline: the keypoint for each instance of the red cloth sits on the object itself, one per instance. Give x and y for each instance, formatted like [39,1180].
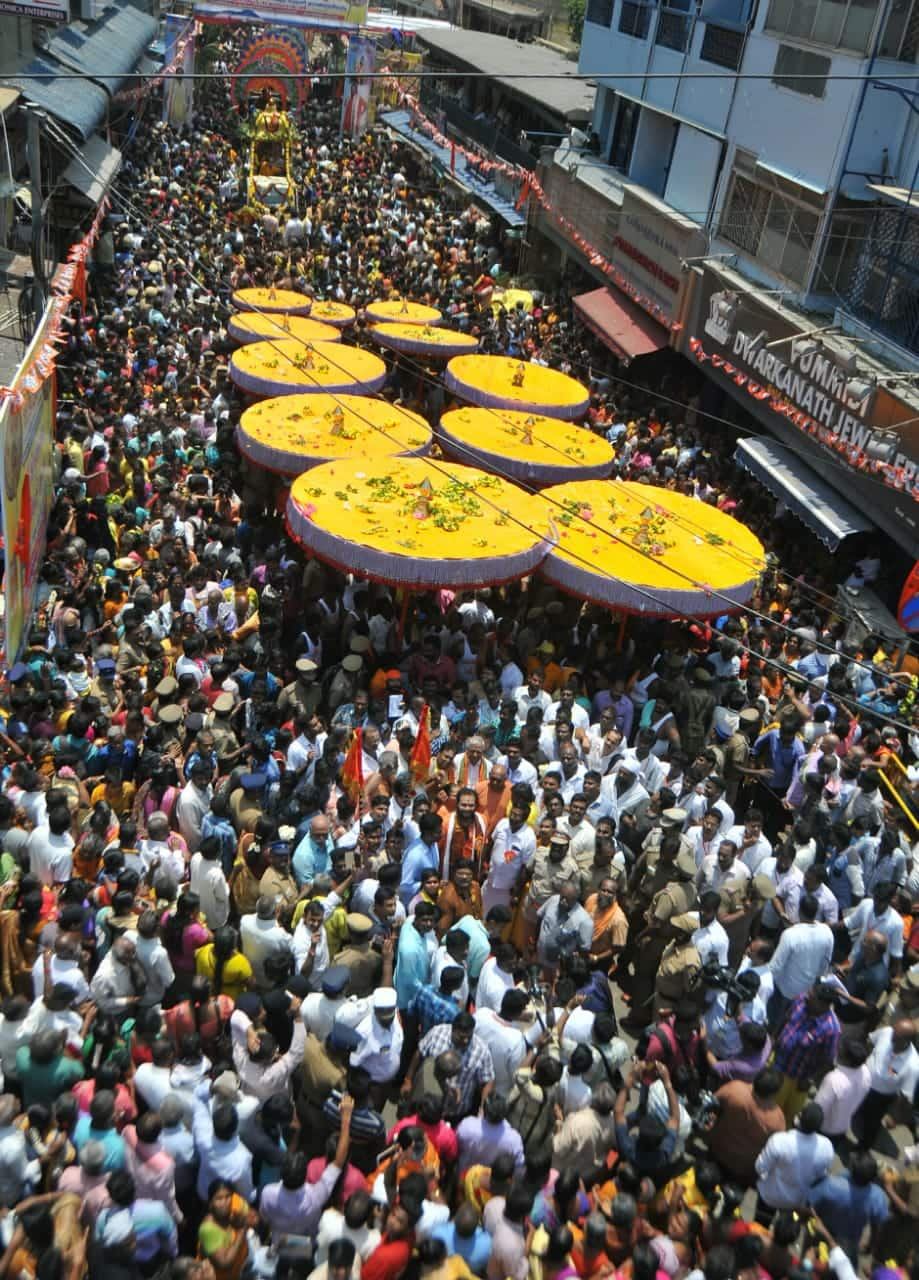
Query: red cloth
[388,1260]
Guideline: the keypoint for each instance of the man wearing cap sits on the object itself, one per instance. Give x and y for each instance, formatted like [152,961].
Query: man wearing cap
[247,801]
[277,882]
[680,967]
[220,725]
[322,1008]
[736,753]
[364,964]
[303,694]
[324,1068]
[380,1049]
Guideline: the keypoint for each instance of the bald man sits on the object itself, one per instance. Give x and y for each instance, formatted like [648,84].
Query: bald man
[894,1066]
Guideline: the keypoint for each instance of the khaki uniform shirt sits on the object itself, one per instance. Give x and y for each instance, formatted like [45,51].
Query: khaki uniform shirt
[364,965]
[678,972]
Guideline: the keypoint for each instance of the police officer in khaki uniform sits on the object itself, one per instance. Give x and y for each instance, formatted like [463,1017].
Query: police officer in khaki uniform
[363,963]
[303,694]
[680,966]
[676,896]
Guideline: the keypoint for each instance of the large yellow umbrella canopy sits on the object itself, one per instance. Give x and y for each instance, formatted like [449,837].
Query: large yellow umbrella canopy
[284,368]
[256,326]
[271,299]
[417,523]
[501,382]
[401,311]
[641,549]
[422,340]
[526,446]
[509,298]
[331,312]
[290,434]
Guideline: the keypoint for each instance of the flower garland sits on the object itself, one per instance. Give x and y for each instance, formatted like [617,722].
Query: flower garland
[141,90]
[69,284]
[852,455]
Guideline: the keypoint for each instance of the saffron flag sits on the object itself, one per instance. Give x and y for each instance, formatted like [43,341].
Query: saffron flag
[420,758]
[352,771]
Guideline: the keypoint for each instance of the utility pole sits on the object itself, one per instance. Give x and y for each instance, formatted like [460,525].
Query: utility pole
[33,152]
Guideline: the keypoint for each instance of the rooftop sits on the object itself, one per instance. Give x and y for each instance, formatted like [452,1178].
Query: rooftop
[507,61]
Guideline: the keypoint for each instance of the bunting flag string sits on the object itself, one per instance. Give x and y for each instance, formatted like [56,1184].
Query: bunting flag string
[141,90]
[68,283]
[896,477]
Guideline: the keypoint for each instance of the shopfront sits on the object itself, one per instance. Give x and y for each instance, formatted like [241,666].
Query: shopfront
[812,388]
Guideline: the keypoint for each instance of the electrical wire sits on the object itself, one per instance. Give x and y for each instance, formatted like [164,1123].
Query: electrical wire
[662,607]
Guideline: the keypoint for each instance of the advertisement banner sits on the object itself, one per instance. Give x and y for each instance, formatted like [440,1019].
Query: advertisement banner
[336,15]
[179,86]
[404,67]
[27,485]
[43,10]
[650,245]
[812,392]
[356,105]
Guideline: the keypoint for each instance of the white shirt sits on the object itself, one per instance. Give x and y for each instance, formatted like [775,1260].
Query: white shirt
[332,1226]
[260,939]
[863,919]
[525,700]
[802,956]
[892,1072]
[157,967]
[440,960]
[152,1083]
[711,877]
[506,1044]
[511,852]
[191,807]
[41,1018]
[67,971]
[753,855]
[302,941]
[379,1050]
[790,1164]
[493,982]
[841,1093]
[524,772]
[50,856]
[711,940]
[210,884]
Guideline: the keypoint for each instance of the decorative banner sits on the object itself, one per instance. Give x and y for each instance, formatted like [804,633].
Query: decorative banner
[356,106]
[27,484]
[169,66]
[266,61]
[179,89]
[335,15]
[908,611]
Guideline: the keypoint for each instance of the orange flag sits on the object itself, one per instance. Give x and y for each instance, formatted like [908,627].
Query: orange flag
[352,771]
[420,758]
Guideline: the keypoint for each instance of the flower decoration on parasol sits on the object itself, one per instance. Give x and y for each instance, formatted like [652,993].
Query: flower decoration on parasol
[526,446]
[422,340]
[620,540]
[290,434]
[337,313]
[401,311]
[255,326]
[417,524]
[501,382]
[271,299]
[283,368]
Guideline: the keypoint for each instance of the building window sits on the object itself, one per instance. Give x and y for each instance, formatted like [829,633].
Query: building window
[801,71]
[883,288]
[673,30]
[843,248]
[635,19]
[900,37]
[600,12]
[723,46]
[776,223]
[620,155]
[841,24]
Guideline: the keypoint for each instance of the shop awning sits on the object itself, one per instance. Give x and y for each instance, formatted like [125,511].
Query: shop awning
[622,326]
[803,492]
[94,168]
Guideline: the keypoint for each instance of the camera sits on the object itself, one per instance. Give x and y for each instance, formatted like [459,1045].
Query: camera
[742,987]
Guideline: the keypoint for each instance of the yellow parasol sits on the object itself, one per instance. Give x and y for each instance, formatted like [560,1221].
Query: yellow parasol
[283,368]
[501,382]
[619,540]
[417,524]
[337,313]
[508,299]
[422,340]
[290,434]
[271,299]
[253,326]
[401,311]
[526,446]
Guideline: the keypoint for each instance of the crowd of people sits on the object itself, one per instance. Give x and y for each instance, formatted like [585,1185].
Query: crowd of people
[622,981]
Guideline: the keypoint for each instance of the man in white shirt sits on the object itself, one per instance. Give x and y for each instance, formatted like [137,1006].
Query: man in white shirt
[210,884]
[877,913]
[64,969]
[751,844]
[381,1039]
[496,977]
[507,1044]
[152,1079]
[513,849]
[153,958]
[710,939]
[50,848]
[260,936]
[843,1090]
[791,1163]
[193,803]
[894,1066]
[718,867]
[531,694]
[518,769]
[802,957]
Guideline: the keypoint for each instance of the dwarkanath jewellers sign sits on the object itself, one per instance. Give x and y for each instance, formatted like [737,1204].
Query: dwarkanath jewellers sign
[797,376]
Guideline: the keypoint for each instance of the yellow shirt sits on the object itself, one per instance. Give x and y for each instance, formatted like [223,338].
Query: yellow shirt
[236,972]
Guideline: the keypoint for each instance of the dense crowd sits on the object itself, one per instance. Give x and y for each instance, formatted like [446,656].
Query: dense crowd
[622,984]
